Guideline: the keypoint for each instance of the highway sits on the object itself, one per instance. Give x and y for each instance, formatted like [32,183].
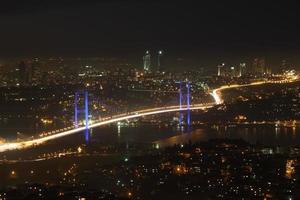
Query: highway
[63,132]
[216,93]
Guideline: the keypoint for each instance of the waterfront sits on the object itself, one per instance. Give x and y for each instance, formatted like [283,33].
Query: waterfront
[169,135]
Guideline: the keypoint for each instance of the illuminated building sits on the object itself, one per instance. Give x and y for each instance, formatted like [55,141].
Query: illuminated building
[24,73]
[283,64]
[242,69]
[220,71]
[289,169]
[232,71]
[147,61]
[159,60]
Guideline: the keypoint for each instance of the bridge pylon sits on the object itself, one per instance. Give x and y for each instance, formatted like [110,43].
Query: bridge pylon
[180,103]
[188,104]
[187,101]
[84,110]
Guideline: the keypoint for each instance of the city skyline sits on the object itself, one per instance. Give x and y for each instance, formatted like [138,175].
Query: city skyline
[137,100]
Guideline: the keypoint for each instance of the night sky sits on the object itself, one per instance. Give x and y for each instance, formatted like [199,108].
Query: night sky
[206,32]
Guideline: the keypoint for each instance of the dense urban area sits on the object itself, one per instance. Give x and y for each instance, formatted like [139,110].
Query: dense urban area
[38,95]
[149,100]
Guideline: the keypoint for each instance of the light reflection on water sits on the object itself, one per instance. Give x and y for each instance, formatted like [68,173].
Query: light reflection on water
[165,136]
[170,135]
[265,135]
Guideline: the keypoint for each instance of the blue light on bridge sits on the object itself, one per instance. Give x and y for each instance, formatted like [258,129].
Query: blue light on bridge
[188,103]
[85,111]
[180,104]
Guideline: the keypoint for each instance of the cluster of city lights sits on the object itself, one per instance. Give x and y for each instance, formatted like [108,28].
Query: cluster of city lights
[6,146]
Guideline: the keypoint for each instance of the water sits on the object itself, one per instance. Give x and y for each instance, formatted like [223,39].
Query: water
[169,135]
[265,135]
[106,136]
[255,134]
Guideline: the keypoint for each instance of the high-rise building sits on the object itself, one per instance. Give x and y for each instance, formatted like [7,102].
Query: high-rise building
[268,70]
[220,71]
[35,70]
[160,61]
[262,66]
[232,71]
[147,61]
[283,66]
[259,66]
[22,75]
[242,69]
[1,75]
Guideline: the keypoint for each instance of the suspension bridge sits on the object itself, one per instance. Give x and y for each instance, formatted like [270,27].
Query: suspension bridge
[187,107]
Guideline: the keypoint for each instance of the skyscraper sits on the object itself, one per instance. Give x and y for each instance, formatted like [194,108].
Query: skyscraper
[159,61]
[147,61]
[35,69]
[283,66]
[259,66]
[242,69]
[22,73]
[220,71]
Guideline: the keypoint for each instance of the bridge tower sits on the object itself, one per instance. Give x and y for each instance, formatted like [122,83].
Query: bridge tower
[180,103]
[188,104]
[84,110]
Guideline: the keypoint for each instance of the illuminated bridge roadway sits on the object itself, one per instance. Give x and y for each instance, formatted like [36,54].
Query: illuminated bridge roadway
[216,93]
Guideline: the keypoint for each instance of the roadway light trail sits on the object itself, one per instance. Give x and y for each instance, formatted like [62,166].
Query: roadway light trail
[216,93]
[141,113]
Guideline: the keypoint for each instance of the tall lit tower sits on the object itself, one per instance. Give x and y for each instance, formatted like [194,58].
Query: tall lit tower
[159,61]
[220,68]
[147,61]
[242,69]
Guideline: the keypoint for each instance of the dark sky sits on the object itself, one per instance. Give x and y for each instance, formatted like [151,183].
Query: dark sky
[204,31]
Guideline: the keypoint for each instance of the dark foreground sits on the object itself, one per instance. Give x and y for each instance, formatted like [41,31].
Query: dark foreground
[218,169]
